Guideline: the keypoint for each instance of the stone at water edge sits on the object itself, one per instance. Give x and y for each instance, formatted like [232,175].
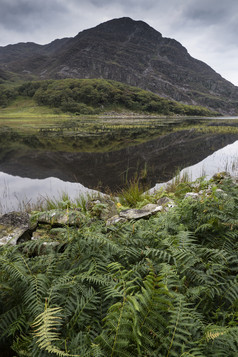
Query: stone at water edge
[115,219]
[166,203]
[145,211]
[103,208]
[59,217]
[15,227]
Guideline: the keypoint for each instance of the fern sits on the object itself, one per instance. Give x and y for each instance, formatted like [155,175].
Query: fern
[35,294]
[165,286]
[44,330]
[12,321]
[221,340]
[153,304]
[180,328]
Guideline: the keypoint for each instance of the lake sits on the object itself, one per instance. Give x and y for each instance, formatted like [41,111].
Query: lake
[29,176]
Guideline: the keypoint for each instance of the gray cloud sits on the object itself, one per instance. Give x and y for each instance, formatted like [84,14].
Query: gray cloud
[212,11]
[23,15]
[207,28]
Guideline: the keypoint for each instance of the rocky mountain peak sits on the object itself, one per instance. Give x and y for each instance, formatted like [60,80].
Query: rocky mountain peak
[127,26]
[122,30]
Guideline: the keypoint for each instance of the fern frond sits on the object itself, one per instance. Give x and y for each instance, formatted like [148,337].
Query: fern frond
[180,328]
[15,268]
[12,321]
[44,330]
[221,341]
[79,309]
[96,350]
[21,345]
[194,352]
[35,294]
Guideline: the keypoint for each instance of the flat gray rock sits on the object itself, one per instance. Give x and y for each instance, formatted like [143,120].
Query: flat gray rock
[14,228]
[166,202]
[145,211]
[193,195]
[115,219]
[61,217]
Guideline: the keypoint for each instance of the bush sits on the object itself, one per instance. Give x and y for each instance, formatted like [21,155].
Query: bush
[91,94]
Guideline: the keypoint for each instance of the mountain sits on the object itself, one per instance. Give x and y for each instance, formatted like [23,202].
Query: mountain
[128,51]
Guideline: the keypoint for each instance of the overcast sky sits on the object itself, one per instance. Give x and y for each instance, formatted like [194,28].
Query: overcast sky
[207,28]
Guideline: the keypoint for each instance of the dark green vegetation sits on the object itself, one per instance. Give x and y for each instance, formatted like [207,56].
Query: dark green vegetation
[7,95]
[165,286]
[93,96]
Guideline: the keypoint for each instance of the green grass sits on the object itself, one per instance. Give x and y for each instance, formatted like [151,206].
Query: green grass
[23,106]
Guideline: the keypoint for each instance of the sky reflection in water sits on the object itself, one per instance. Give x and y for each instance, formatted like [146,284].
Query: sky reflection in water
[17,192]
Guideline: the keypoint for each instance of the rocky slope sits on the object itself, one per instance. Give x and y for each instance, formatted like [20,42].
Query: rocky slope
[131,52]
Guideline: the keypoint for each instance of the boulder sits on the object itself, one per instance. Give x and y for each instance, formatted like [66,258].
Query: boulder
[15,228]
[103,208]
[61,217]
[166,203]
[193,195]
[219,176]
[145,211]
[115,219]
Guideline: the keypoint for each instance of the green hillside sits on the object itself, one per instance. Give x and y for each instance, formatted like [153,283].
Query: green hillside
[95,96]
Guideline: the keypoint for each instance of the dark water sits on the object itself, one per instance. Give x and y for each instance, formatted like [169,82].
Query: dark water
[26,177]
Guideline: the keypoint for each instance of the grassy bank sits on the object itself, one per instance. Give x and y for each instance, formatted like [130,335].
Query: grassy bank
[27,125]
[96,133]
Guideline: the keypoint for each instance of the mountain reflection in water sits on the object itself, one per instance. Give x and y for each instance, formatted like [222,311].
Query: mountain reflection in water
[155,161]
[225,159]
[16,191]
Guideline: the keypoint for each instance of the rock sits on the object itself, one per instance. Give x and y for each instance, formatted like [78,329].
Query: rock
[103,208]
[41,235]
[163,201]
[61,217]
[206,192]
[220,192]
[166,203]
[37,235]
[193,195]
[145,211]
[218,177]
[15,228]
[152,208]
[115,219]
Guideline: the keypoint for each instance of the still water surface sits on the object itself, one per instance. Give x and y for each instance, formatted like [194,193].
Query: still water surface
[18,192]
[15,191]
[225,159]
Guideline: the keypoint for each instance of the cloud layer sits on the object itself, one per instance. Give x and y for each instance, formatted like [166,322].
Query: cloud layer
[207,28]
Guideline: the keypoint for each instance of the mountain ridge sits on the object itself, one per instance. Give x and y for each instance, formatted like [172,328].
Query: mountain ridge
[128,51]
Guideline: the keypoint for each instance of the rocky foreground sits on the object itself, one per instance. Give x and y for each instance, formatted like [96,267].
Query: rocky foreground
[18,227]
